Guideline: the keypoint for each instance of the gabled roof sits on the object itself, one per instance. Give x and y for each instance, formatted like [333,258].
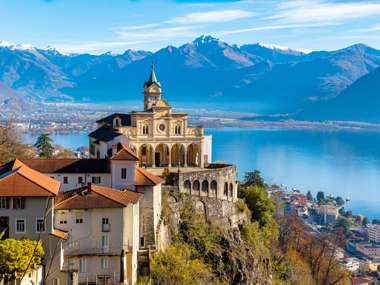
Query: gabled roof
[125,119]
[124,153]
[17,179]
[65,165]
[94,196]
[145,178]
[105,133]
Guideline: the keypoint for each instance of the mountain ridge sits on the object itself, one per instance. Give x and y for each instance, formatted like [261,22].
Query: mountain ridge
[255,77]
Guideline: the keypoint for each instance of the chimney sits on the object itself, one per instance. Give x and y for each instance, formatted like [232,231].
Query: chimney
[114,149]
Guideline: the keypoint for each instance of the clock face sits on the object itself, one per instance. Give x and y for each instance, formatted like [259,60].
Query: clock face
[161,127]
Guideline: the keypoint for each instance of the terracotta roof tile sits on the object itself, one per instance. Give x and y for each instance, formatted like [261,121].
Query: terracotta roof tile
[59,233]
[69,165]
[17,179]
[95,196]
[125,153]
[145,178]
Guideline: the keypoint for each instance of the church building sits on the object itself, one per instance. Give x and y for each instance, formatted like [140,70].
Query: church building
[159,136]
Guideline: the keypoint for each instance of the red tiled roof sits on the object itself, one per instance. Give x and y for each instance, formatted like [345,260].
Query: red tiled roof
[68,165]
[17,179]
[145,178]
[95,196]
[125,153]
[59,234]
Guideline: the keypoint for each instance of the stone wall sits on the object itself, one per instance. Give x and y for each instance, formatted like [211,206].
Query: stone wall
[216,210]
[215,181]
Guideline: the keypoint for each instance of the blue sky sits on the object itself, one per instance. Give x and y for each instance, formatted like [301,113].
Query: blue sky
[97,26]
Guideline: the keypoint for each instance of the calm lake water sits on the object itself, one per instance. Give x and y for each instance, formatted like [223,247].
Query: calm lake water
[345,163]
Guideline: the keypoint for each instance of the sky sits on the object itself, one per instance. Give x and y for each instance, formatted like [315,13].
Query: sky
[99,26]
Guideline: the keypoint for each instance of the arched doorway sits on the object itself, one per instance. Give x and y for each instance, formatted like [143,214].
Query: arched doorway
[225,191]
[193,155]
[231,190]
[178,155]
[205,187]
[214,188]
[146,155]
[196,187]
[187,185]
[161,155]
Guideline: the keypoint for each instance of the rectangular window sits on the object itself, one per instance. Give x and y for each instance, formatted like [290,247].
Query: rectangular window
[19,203]
[142,242]
[96,179]
[40,225]
[123,173]
[104,263]
[80,180]
[63,222]
[20,226]
[82,265]
[65,180]
[104,242]
[105,225]
[4,202]
[79,221]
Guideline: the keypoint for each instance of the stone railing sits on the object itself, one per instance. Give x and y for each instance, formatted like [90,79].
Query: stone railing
[194,131]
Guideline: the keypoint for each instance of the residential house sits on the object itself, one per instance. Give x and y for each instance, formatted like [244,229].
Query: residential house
[103,227]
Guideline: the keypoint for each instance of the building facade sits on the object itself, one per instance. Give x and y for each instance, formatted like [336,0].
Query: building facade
[162,138]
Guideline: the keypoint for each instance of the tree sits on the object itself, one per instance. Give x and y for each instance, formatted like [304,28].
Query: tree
[259,203]
[339,201]
[365,221]
[10,146]
[253,179]
[376,221]
[343,225]
[176,265]
[321,197]
[44,145]
[65,153]
[309,196]
[18,256]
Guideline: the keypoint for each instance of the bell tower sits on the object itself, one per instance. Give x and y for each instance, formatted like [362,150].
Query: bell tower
[152,91]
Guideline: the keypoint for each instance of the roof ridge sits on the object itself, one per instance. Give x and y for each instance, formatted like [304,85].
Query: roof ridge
[93,188]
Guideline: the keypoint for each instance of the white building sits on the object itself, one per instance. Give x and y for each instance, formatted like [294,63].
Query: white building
[103,228]
[373,233]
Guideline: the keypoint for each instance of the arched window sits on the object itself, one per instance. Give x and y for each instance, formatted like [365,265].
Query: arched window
[214,187]
[225,189]
[196,185]
[116,122]
[231,190]
[145,130]
[187,185]
[205,186]
[177,130]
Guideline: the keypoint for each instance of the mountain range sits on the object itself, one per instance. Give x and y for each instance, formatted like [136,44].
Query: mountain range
[207,72]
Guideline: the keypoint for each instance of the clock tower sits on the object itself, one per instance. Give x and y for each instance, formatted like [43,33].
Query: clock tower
[152,91]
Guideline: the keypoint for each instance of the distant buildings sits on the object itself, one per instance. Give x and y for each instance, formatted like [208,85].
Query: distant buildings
[328,213]
[373,233]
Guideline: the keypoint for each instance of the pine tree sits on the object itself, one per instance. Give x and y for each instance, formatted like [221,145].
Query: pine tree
[44,145]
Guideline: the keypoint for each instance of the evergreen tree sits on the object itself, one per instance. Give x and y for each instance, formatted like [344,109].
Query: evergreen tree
[339,201]
[376,221]
[44,145]
[253,179]
[321,197]
[309,196]
[365,221]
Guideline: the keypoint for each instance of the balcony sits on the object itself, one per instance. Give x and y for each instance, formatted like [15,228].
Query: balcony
[106,228]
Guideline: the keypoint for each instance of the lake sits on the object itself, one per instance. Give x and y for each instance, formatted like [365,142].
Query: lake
[345,163]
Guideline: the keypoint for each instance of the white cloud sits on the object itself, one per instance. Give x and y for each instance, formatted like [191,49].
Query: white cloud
[374,28]
[211,17]
[162,33]
[138,27]
[276,27]
[304,11]
[95,47]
